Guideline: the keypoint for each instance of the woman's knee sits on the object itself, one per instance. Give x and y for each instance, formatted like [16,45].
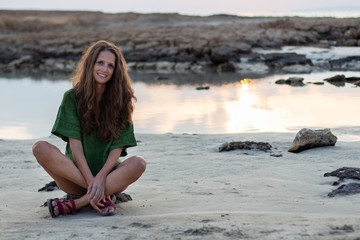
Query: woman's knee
[40,149]
[140,163]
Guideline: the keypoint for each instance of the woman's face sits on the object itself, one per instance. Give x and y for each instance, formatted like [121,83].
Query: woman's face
[104,67]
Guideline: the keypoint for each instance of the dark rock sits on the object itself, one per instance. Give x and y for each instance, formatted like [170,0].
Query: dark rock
[226,67]
[51,186]
[276,155]
[346,189]
[161,78]
[345,173]
[228,146]
[341,230]
[292,81]
[352,33]
[352,79]
[204,231]
[203,88]
[122,197]
[222,54]
[140,225]
[280,60]
[347,63]
[338,80]
[357,83]
[298,68]
[184,56]
[307,139]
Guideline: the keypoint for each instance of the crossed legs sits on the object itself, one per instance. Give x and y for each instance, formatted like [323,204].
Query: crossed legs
[69,179]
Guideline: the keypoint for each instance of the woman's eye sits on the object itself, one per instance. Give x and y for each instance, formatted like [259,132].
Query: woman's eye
[100,62]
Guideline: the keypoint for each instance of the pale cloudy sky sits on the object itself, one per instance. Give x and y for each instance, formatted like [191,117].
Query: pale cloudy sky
[192,7]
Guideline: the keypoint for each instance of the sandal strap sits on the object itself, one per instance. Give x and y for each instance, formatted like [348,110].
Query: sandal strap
[109,203]
[73,209]
[61,208]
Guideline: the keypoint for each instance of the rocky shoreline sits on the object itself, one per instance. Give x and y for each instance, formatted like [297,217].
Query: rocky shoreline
[45,42]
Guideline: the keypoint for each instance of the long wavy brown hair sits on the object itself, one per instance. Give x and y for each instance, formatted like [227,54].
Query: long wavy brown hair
[114,111]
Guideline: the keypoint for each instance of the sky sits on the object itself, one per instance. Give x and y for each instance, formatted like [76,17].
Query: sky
[189,7]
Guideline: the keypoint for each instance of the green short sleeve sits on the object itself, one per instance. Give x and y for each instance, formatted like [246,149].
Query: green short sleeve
[67,124]
[126,139]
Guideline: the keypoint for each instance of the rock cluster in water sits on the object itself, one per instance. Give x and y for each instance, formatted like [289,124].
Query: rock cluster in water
[38,42]
[337,80]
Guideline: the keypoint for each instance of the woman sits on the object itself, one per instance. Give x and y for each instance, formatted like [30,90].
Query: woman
[94,119]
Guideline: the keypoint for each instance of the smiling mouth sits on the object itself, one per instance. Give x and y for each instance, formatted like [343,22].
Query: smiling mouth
[102,75]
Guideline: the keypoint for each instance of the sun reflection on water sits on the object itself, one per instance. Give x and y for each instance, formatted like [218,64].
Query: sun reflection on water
[245,112]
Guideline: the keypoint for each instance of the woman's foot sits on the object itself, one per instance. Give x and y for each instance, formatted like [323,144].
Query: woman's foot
[108,209]
[57,207]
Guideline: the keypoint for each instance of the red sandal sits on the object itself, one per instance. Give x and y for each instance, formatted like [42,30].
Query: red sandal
[60,207]
[108,203]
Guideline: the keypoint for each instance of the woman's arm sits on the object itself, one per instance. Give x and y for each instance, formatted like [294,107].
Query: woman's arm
[97,185]
[80,160]
[109,165]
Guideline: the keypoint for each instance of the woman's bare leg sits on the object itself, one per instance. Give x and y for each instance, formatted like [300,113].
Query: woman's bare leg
[66,175]
[69,178]
[122,176]
[125,174]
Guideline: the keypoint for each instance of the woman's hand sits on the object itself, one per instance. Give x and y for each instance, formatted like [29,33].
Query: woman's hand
[96,191]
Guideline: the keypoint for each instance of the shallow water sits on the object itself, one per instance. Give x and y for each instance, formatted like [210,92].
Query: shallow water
[230,105]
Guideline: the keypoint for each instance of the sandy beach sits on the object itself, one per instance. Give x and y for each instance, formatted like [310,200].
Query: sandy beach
[192,191]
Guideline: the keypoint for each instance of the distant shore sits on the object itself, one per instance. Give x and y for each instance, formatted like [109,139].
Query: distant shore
[39,42]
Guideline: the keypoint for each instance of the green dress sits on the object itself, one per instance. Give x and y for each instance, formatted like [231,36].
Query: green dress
[96,151]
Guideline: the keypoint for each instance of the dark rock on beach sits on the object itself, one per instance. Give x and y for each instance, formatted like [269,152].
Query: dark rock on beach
[346,189]
[51,186]
[345,173]
[228,146]
[307,139]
